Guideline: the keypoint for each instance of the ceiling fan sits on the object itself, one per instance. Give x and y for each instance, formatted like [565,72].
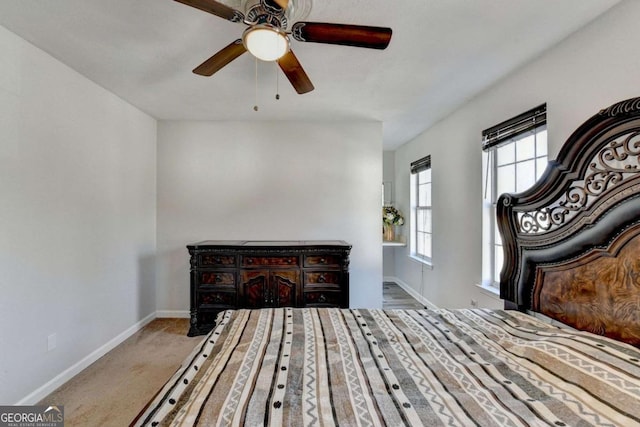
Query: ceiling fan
[266,37]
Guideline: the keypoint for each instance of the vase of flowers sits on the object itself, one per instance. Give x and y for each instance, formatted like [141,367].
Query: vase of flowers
[390,218]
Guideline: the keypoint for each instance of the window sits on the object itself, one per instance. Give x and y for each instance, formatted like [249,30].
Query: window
[421,232]
[515,158]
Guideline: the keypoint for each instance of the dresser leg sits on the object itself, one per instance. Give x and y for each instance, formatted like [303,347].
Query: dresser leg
[194,330]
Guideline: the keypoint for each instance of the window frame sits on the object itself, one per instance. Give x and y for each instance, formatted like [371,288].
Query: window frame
[509,132]
[418,168]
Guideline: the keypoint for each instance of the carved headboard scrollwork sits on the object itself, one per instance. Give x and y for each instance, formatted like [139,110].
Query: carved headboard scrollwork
[586,203]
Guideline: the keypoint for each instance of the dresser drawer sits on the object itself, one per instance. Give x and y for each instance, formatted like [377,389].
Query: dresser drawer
[261,261]
[216,278]
[216,299]
[324,278]
[322,260]
[214,260]
[323,298]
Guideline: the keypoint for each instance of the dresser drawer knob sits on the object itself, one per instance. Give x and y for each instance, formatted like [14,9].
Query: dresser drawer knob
[249,260]
[322,279]
[323,261]
[289,260]
[322,298]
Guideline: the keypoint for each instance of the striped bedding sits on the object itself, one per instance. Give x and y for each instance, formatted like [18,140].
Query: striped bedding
[326,367]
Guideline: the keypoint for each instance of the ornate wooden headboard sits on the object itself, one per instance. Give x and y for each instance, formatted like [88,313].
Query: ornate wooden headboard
[572,241]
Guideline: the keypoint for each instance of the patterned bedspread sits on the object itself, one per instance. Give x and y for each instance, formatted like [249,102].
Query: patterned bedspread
[325,367]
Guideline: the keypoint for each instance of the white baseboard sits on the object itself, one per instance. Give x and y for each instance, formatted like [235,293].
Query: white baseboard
[422,300]
[173,314]
[74,370]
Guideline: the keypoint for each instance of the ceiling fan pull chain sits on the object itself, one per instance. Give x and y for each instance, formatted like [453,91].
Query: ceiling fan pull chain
[255,107]
[277,84]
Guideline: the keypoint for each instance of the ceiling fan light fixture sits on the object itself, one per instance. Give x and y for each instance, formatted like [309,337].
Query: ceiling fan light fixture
[266,42]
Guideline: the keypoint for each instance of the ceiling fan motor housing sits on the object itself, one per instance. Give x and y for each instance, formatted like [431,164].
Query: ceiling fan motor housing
[267,12]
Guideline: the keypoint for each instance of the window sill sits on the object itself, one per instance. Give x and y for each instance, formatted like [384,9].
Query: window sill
[424,262]
[393,243]
[492,291]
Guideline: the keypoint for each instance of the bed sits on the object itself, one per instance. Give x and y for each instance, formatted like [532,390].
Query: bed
[564,352]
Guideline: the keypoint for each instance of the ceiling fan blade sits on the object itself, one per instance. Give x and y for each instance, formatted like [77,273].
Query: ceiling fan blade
[215,8]
[348,35]
[291,67]
[282,3]
[220,59]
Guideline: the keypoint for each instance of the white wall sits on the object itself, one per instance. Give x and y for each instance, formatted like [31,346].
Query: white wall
[268,180]
[77,219]
[590,70]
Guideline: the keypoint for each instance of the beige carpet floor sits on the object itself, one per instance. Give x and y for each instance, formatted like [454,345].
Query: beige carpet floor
[114,389]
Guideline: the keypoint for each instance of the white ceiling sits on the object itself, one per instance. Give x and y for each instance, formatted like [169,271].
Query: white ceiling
[442,53]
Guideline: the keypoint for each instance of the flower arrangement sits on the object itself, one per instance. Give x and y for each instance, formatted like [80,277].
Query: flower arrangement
[392,216]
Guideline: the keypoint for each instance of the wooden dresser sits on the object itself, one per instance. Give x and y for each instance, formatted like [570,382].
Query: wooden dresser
[258,274]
